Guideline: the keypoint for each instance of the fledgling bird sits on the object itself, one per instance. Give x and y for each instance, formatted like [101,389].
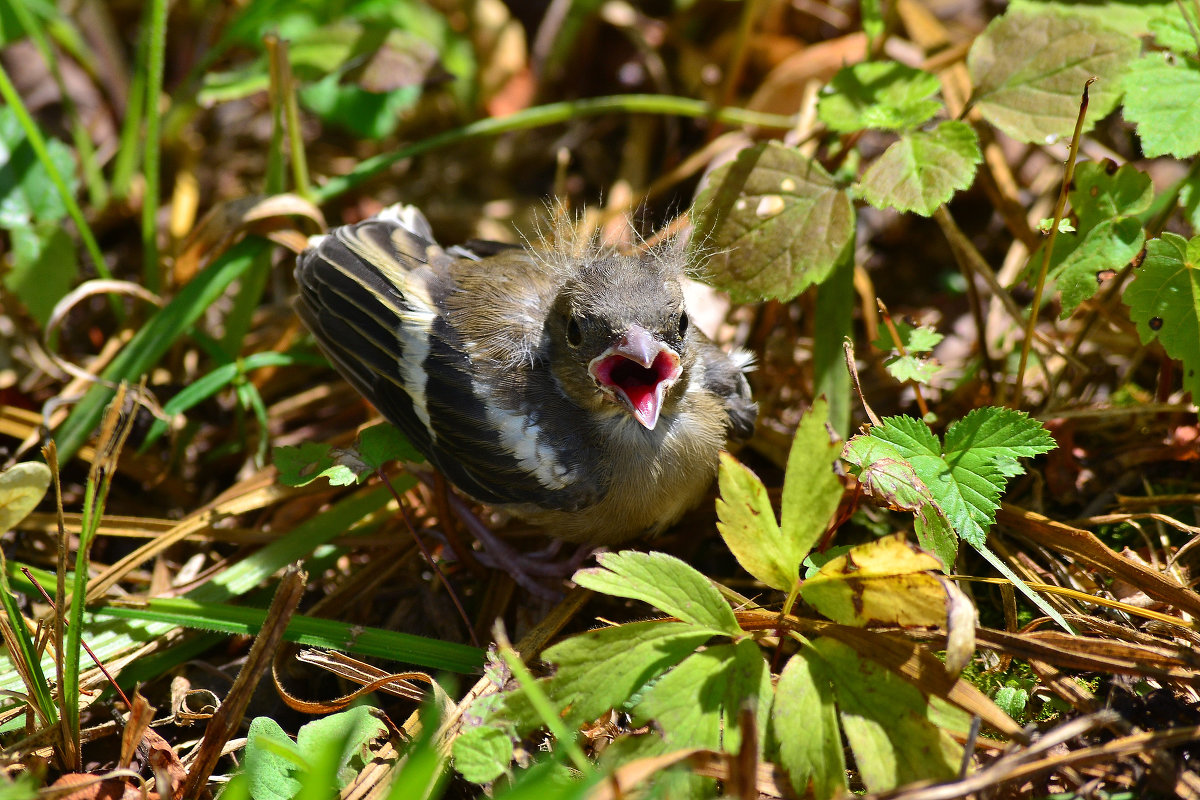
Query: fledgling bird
[571,390]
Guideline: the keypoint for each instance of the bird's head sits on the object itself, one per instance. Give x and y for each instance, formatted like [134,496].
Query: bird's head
[617,333]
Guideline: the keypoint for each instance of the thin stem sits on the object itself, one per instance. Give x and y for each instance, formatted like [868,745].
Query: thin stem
[891,326]
[1059,208]
[155,55]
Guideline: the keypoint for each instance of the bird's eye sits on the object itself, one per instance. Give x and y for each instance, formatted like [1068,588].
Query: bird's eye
[683,324]
[574,335]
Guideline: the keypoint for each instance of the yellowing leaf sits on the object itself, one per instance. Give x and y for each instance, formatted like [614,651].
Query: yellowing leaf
[22,487]
[885,582]
[811,489]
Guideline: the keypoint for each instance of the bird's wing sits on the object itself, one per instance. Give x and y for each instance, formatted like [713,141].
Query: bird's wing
[725,377]
[374,295]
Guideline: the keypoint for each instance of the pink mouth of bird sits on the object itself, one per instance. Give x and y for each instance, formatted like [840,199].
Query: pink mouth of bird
[638,370]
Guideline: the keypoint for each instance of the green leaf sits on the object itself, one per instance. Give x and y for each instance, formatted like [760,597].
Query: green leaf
[697,703]
[664,582]
[1164,301]
[811,488]
[482,753]
[382,443]
[601,669]
[883,95]
[1107,247]
[1162,97]
[1172,31]
[1029,70]
[915,339]
[346,736]
[777,223]
[269,773]
[746,522]
[44,267]
[912,368]
[27,194]
[922,170]
[804,722]
[887,722]
[1099,193]
[981,453]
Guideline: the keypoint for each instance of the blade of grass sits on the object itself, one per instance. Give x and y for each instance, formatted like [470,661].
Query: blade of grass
[550,114]
[117,427]
[129,150]
[327,633]
[155,54]
[154,338]
[92,176]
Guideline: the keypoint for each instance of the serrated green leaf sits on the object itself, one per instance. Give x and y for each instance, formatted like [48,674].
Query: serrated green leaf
[923,170]
[911,368]
[697,703]
[777,222]
[1172,31]
[805,723]
[882,95]
[981,453]
[1029,70]
[1012,700]
[382,443]
[1162,97]
[1098,195]
[482,754]
[811,488]
[27,195]
[1164,301]
[302,464]
[915,339]
[1107,247]
[664,582]
[887,722]
[602,669]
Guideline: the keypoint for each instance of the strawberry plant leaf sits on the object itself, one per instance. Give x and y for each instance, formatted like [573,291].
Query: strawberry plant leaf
[664,582]
[884,582]
[811,488]
[1107,247]
[1099,193]
[804,721]
[887,722]
[746,522]
[923,169]
[1029,69]
[1162,97]
[880,95]
[697,703]
[911,368]
[915,339]
[778,223]
[1164,302]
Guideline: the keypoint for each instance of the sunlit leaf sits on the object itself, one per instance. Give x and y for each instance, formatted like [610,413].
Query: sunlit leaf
[1164,301]
[923,169]
[1029,70]
[1162,97]
[805,723]
[777,223]
[885,95]
[22,487]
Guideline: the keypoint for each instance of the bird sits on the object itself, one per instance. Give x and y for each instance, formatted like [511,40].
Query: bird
[565,385]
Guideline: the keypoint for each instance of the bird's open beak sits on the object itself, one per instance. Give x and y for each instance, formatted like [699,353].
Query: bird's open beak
[637,369]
